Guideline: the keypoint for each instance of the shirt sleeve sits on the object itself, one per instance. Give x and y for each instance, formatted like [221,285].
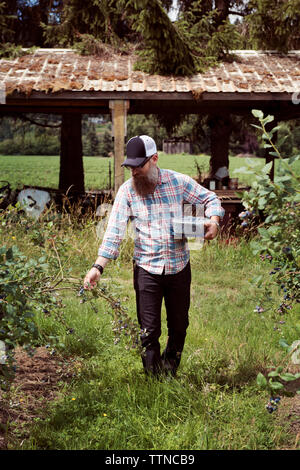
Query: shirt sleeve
[116,226]
[194,193]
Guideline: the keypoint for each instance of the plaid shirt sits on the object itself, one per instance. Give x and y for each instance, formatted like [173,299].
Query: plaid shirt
[155,246]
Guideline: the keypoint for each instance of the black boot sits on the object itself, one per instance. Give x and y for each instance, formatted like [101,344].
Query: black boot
[170,361]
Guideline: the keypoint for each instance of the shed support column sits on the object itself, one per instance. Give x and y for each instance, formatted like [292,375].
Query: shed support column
[119,114]
[220,127]
[71,175]
[270,158]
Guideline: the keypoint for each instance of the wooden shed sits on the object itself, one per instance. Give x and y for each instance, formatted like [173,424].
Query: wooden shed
[63,82]
[177,145]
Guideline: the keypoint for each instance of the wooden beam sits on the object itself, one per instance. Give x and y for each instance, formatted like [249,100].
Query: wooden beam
[119,113]
[153,103]
[285,113]
[6,110]
[97,97]
[71,175]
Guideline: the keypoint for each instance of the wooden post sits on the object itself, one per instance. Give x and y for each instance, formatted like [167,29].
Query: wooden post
[119,113]
[271,158]
[71,175]
[220,130]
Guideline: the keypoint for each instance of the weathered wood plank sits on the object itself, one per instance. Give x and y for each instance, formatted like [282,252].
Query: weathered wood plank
[119,111]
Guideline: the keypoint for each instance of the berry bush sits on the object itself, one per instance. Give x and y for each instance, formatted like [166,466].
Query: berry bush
[277,205]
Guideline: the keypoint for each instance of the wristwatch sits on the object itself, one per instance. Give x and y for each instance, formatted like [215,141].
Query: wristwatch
[99,267]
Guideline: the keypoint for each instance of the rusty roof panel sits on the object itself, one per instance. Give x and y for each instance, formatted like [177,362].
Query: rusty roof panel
[52,70]
[181,85]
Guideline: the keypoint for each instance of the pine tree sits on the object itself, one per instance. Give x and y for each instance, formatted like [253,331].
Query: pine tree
[6,23]
[274,24]
[200,37]
[104,20]
[23,19]
[164,48]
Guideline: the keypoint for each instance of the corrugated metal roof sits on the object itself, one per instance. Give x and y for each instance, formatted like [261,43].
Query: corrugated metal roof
[52,70]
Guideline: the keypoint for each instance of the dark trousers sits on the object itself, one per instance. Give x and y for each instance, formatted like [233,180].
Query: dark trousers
[151,289]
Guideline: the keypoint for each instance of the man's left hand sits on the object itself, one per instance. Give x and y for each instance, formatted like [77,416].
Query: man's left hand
[211,230]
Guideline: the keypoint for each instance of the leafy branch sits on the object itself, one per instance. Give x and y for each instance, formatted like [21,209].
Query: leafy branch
[268,136]
[277,204]
[31,286]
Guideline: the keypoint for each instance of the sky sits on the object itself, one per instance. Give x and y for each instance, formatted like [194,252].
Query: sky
[174,11]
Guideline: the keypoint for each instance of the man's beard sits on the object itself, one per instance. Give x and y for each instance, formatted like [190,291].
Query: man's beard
[144,185]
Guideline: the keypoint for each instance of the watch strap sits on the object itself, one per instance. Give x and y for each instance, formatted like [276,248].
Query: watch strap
[99,267]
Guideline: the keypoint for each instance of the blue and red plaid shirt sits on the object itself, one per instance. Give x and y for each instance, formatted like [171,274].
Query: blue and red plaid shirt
[155,246]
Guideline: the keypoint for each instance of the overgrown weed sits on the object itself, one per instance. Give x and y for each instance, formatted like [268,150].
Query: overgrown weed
[212,404]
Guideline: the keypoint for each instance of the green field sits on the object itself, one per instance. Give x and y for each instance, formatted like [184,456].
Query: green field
[44,170]
[107,402]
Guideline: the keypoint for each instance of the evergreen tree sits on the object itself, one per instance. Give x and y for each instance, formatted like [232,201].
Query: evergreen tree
[274,24]
[6,20]
[90,141]
[210,33]
[104,20]
[200,37]
[106,146]
[23,20]
[164,48]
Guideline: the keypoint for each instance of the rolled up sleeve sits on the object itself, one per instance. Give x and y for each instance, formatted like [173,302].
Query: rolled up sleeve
[116,226]
[194,193]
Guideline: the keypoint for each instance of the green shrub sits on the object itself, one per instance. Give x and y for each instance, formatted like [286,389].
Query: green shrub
[278,240]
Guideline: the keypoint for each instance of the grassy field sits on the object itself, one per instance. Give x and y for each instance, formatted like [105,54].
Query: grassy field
[214,402]
[44,170]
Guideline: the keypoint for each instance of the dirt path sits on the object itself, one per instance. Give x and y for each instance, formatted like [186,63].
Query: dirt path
[36,383]
[289,410]
[38,380]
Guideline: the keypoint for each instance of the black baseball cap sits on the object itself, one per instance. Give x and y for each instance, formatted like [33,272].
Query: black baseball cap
[138,149]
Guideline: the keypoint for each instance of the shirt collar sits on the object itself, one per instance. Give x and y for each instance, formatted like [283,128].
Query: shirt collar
[162,176]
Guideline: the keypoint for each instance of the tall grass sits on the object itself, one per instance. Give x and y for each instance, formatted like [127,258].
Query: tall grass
[213,403]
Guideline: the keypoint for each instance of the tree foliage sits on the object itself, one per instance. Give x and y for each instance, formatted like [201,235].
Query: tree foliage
[5,19]
[279,202]
[277,243]
[104,20]
[23,18]
[203,33]
[274,24]
[164,47]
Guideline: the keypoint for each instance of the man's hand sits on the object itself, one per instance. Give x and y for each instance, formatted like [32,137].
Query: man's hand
[91,279]
[211,230]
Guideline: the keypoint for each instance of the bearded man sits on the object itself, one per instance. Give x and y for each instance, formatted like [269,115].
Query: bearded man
[151,199]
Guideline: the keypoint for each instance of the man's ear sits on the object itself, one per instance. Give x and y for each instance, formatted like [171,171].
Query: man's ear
[155,158]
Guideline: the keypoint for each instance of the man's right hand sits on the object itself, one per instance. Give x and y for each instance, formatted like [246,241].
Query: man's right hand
[91,279]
